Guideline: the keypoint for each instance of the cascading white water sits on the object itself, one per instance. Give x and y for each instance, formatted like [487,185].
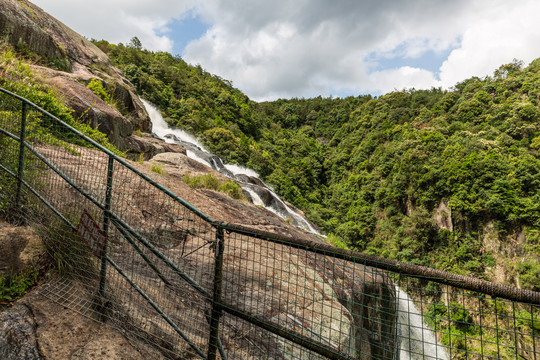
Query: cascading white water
[256,198]
[417,340]
[162,129]
[237,169]
[196,151]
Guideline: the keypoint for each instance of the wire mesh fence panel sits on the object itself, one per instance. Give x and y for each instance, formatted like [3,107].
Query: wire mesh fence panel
[156,249]
[344,307]
[162,232]
[387,314]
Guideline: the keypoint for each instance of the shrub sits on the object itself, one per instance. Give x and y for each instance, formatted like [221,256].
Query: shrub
[97,88]
[529,275]
[232,189]
[13,286]
[210,181]
[157,168]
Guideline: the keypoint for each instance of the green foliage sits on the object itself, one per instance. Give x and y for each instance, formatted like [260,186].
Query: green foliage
[529,274]
[97,88]
[157,168]
[527,321]
[454,322]
[9,149]
[210,181]
[13,286]
[369,170]
[336,241]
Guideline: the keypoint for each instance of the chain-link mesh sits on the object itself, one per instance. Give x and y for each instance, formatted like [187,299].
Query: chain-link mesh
[170,275]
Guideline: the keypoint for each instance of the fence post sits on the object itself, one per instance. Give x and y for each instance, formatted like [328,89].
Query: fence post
[106,221]
[21,156]
[214,342]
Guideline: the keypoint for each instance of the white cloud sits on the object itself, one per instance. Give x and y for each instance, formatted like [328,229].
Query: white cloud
[304,48]
[119,20]
[500,35]
[405,77]
[310,48]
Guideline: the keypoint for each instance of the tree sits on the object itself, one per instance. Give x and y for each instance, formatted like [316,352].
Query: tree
[135,43]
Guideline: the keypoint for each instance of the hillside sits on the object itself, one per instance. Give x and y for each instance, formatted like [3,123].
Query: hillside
[444,178]
[412,175]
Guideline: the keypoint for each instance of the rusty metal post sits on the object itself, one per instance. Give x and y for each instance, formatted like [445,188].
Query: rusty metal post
[217,311]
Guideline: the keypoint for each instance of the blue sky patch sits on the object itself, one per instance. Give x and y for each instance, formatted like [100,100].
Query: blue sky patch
[184,30]
[429,60]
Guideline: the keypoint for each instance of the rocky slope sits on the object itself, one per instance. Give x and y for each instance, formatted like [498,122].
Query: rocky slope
[69,62]
[311,292]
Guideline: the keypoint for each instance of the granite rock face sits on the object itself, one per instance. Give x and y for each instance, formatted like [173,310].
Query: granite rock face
[24,25]
[36,328]
[17,334]
[70,63]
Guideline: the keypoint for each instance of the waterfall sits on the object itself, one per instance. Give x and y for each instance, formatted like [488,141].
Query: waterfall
[417,340]
[256,190]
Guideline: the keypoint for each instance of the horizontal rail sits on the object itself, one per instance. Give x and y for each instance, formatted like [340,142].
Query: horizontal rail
[439,276]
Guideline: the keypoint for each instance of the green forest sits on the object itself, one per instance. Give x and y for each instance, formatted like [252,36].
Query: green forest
[371,171]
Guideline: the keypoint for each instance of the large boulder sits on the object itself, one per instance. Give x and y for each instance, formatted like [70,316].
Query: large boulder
[37,328]
[94,110]
[18,335]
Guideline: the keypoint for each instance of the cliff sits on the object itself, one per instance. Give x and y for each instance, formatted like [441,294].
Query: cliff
[70,63]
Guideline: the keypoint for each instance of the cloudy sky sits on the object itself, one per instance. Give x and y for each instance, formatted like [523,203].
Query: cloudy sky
[301,48]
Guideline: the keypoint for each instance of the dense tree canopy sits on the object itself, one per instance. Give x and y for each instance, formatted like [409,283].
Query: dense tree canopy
[372,171]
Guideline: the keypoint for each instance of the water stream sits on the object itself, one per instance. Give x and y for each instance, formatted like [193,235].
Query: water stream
[417,341]
[254,188]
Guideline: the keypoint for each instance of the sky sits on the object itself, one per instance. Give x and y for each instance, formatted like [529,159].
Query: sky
[284,49]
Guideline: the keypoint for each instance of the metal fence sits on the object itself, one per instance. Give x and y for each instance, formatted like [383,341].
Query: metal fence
[129,252]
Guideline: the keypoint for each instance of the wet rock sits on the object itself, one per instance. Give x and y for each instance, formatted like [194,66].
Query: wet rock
[149,147]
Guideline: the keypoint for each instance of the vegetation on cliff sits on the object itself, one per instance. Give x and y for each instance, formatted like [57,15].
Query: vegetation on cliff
[17,76]
[373,171]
